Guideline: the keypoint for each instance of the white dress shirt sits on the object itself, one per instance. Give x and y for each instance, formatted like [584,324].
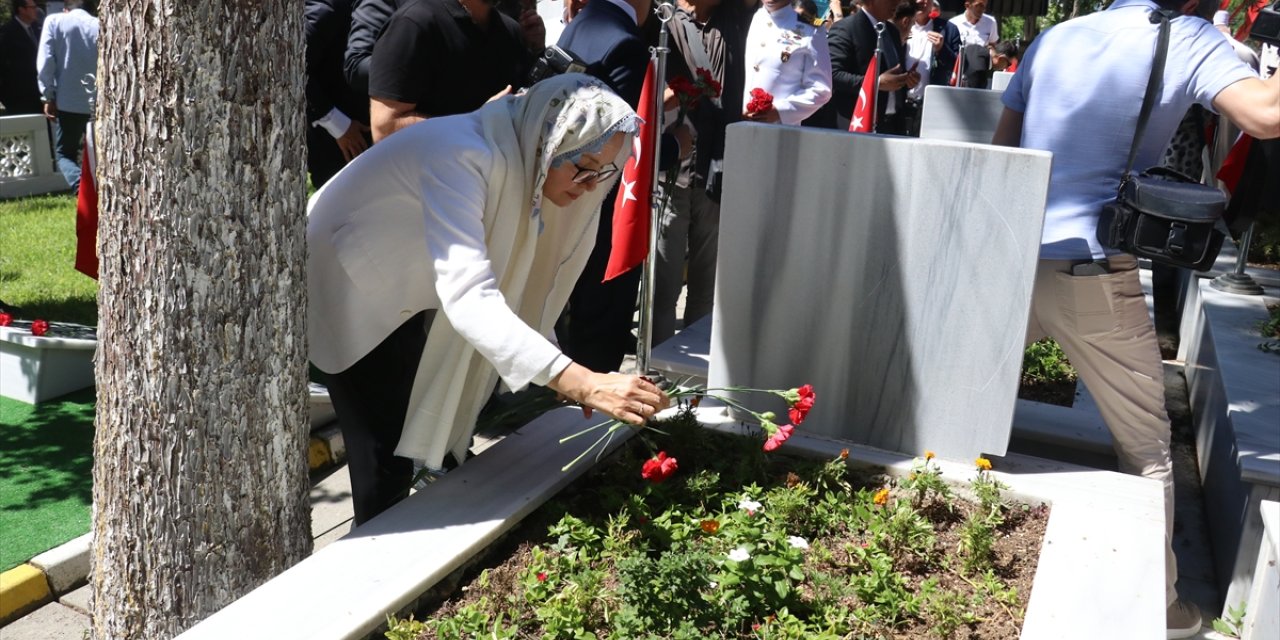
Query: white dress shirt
[790,60]
[984,32]
[67,58]
[919,57]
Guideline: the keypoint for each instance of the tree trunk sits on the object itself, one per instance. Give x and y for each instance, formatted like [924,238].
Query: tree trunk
[200,472]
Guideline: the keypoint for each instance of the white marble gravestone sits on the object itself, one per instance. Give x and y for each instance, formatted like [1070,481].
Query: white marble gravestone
[26,160]
[894,274]
[960,113]
[999,80]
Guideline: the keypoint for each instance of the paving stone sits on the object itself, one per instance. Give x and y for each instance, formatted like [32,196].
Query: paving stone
[78,599]
[51,622]
[331,503]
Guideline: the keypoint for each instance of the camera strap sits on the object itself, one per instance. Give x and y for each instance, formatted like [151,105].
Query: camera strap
[1154,83]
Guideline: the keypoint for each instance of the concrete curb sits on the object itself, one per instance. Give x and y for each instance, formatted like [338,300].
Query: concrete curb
[22,589]
[63,569]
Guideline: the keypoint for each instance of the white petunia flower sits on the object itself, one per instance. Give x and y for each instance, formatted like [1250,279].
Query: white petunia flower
[739,555]
[749,505]
[798,542]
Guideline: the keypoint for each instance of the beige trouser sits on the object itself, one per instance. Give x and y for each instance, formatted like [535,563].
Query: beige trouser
[1101,322]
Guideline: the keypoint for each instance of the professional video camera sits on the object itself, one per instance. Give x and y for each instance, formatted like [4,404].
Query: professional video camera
[554,61]
[1266,27]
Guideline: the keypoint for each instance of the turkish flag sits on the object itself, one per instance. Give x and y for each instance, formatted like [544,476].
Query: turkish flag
[955,71]
[631,210]
[864,111]
[87,212]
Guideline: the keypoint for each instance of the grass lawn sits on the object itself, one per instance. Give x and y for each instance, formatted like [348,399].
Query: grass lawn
[37,257]
[46,474]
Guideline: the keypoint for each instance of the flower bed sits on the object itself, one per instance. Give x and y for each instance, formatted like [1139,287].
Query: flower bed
[744,543]
[41,360]
[1100,572]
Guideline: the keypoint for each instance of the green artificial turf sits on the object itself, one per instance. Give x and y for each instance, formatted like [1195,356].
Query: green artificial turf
[37,261]
[46,474]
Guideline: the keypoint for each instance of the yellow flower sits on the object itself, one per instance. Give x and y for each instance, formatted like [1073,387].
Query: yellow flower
[882,496]
[710,526]
[983,464]
[928,455]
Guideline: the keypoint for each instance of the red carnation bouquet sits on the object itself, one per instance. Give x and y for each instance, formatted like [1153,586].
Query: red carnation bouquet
[760,102]
[661,466]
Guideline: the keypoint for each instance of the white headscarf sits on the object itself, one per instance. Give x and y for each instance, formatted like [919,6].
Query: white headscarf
[537,249]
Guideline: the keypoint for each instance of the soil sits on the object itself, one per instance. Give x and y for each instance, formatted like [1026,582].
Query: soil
[1059,392]
[1017,550]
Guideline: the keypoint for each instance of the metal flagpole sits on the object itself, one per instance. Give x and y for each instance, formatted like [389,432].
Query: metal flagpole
[644,344]
[879,57]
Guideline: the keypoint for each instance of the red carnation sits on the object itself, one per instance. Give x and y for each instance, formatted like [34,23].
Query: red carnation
[39,327]
[684,88]
[801,401]
[5,319]
[658,468]
[780,436]
[708,82]
[761,101]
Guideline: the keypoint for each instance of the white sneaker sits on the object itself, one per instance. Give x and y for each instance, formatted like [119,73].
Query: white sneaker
[1182,619]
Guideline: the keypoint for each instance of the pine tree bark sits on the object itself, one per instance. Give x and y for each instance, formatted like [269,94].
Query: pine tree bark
[200,472]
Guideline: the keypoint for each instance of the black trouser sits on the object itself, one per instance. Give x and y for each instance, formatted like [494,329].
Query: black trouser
[597,333]
[371,399]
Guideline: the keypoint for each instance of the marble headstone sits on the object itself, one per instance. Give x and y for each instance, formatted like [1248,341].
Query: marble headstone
[894,274]
[26,160]
[960,113]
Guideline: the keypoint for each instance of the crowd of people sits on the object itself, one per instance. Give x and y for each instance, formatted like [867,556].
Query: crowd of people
[463,221]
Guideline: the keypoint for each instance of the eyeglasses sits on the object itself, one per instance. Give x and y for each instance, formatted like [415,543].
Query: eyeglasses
[584,176]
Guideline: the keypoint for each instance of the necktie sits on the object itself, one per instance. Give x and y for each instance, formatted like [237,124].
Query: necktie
[34,31]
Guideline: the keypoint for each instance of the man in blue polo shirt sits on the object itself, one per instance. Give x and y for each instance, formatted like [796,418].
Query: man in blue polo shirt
[1088,296]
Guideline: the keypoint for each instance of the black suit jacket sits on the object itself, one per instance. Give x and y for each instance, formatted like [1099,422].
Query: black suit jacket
[608,40]
[944,61]
[327,23]
[18,89]
[852,42]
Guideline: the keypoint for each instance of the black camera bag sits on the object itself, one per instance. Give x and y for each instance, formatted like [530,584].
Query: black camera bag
[1161,214]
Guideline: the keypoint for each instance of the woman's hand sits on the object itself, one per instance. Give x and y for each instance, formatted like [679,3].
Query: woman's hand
[628,398]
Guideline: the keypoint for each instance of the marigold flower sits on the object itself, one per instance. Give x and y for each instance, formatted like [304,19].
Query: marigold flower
[542,576]
[658,468]
[882,496]
[739,555]
[928,455]
[39,327]
[844,454]
[5,319]
[780,436]
[710,526]
[983,464]
[792,480]
[695,401]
